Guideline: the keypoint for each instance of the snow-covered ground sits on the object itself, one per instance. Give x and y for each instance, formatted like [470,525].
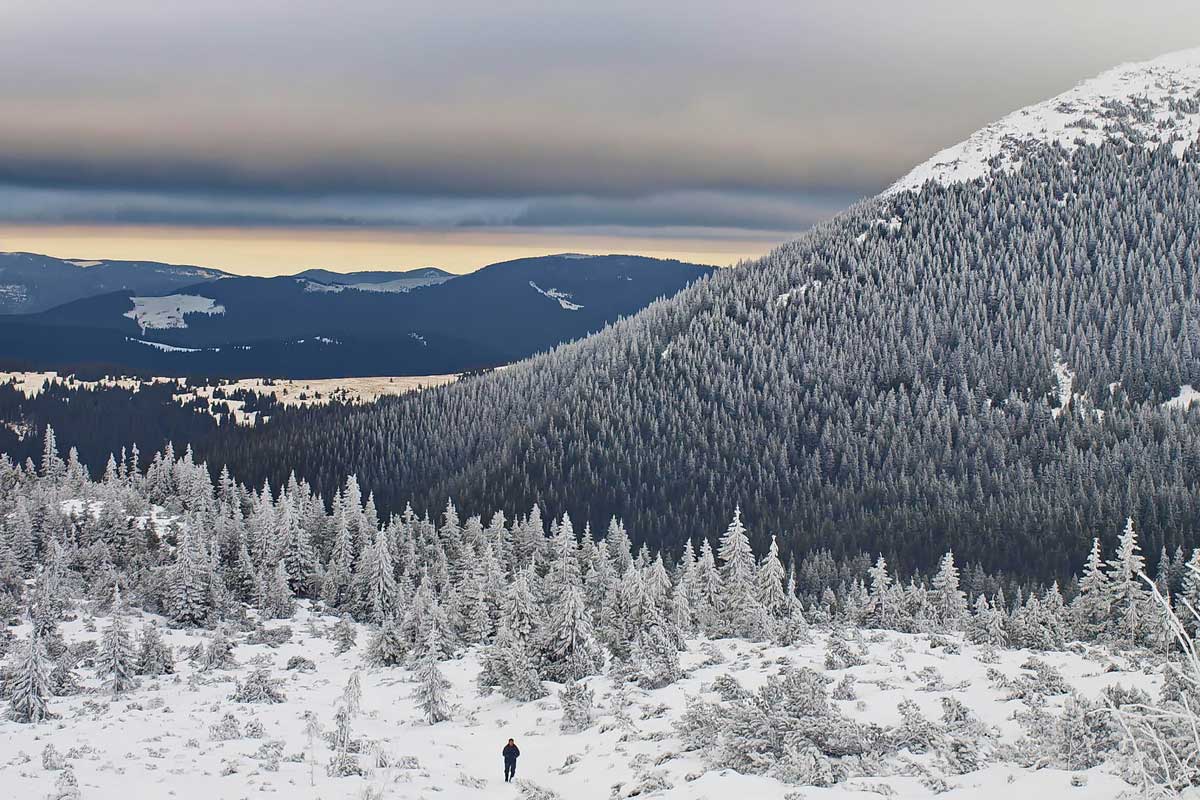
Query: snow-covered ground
[157,741]
[1151,103]
[169,311]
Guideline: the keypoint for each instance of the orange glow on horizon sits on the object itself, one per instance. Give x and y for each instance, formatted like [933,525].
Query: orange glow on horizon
[277,251]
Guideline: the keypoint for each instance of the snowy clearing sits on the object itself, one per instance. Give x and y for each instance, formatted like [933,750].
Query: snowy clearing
[1151,103]
[169,311]
[288,392]
[167,737]
[1187,395]
[554,294]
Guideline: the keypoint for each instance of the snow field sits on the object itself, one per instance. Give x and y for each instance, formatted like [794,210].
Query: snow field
[158,740]
[169,311]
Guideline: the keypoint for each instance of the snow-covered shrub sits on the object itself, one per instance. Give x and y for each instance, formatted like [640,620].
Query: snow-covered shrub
[839,655]
[271,637]
[728,688]
[301,664]
[914,733]
[218,653]
[1160,742]
[789,713]
[958,755]
[52,760]
[845,689]
[1083,735]
[647,785]
[804,765]
[226,730]
[578,707]
[268,755]
[254,730]
[532,791]
[66,787]
[343,765]
[259,687]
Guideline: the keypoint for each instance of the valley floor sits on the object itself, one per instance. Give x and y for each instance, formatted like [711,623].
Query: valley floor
[158,741]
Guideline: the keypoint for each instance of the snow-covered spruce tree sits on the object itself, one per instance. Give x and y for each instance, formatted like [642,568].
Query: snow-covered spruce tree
[344,635]
[116,663]
[432,692]
[336,588]
[276,600]
[1090,609]
[567,644]
[155,656]
[740,609]
[352,695]
[508,663]
[312,734]
[189,600]
[342,763]
[949,601]
[508,667]
[654,657]
[769,582]
[578,707]
[1128,601]
[376,581]
[30,682]
[387,648]
[1189,595]
[883,608]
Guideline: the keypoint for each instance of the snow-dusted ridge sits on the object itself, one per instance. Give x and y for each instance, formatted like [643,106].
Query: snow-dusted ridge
[1151,103]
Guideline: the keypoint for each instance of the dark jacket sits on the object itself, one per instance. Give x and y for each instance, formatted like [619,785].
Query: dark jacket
[511,751]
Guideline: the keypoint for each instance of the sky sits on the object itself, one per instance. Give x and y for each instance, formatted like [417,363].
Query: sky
[269,137]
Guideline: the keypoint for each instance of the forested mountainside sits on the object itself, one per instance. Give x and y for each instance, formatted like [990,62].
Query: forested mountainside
[981,366]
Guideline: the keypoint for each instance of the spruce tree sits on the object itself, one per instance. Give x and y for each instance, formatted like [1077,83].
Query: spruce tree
[1128,597]
[30,686]
[432,692]
[154,655]
[116,663]
[950,603]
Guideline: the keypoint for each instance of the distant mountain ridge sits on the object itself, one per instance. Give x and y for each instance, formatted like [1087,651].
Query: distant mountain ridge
[420,322]
[30,282]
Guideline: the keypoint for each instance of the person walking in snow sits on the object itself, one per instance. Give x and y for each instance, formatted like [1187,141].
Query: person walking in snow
[511,751]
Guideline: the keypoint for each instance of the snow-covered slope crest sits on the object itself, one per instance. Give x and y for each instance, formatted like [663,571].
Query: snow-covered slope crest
[1150,103]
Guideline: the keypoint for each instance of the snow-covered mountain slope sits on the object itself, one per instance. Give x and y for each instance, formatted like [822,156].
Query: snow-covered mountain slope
[30,283]
[182,736]
[1151,103]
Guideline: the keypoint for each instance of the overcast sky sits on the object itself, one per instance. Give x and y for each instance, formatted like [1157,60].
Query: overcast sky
[272,136]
